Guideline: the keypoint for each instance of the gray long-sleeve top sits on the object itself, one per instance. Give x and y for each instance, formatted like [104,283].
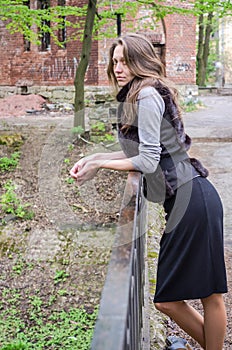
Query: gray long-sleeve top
[156,141]
[150,112]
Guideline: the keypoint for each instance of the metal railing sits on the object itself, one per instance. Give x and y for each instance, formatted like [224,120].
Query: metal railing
[120,321]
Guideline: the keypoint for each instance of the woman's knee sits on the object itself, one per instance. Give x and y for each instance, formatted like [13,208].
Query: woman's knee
[167,307]
[214,300]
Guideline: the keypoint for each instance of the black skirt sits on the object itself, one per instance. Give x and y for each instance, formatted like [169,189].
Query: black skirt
[191,259]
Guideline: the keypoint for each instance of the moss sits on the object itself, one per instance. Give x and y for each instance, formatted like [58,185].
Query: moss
[12,140]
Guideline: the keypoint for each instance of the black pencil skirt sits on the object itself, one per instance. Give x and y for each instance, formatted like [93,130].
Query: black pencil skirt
[191,259]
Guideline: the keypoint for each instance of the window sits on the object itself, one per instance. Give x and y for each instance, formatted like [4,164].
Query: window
[27,43]
[45,35]
[62,34]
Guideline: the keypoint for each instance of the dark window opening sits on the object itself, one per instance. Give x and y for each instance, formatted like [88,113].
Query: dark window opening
[27,43]
[45,35]
[62,32]
[24,90]
[161,52]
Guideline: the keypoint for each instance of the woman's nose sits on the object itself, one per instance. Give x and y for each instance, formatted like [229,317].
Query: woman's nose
[118,67]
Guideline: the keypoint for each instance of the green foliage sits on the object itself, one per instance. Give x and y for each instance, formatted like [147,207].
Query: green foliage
[11,204]
[7,164]
[69,180]
[99,133]
[191,105]
[11,140]
[212,59]
[18,345]
[71,329]
[60,276]
[20,18]
[98,128]
[222,8]
[78,130]
[18,267]
[67,161]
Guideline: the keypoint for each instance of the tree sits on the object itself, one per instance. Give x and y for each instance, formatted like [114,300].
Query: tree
[205,28]
[208,12]
[89,31]
[19,17]
[79,118]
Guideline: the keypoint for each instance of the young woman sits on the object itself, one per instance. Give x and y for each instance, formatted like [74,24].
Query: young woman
[150,129]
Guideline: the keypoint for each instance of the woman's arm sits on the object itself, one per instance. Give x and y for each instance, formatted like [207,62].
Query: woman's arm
[86,168]
[90,169]
[150,111]
[108,156]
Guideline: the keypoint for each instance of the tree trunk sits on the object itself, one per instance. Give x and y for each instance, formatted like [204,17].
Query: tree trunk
[79,105]
[208,32]
[203,47]
[200,65]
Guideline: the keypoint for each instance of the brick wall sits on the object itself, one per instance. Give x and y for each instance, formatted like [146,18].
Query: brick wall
[181,48]
[36,67]
[57,66]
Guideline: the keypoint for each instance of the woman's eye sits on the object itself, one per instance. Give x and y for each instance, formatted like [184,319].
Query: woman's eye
[121,62]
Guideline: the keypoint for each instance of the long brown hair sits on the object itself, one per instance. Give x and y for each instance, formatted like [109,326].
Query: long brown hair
[145,65]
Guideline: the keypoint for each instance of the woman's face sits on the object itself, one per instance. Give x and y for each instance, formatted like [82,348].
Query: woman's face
[121,70]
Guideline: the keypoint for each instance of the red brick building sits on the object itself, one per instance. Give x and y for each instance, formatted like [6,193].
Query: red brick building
[26,66]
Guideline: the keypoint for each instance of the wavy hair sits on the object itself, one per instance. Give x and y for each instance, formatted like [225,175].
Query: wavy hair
[147,68]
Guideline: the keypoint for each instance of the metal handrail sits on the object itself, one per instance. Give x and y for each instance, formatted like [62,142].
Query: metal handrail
[120,319]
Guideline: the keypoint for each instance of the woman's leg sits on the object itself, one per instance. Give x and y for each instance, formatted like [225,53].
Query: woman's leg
[186,317]
[209,331]
[214,321]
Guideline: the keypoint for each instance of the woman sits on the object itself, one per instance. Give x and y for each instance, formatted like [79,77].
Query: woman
[191,259]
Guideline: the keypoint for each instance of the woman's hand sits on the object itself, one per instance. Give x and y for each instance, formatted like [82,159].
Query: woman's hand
[84,171]
[86,168]
[80,164]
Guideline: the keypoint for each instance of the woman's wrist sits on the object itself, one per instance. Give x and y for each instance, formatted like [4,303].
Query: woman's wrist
[92,157]
[95,163]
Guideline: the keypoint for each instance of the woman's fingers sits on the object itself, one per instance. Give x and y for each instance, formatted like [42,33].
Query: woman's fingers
[74,171]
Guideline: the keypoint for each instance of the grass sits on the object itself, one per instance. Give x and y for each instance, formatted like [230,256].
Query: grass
[11,204]
[9,163]
[99,132]
[191,105]
[64,330]
[32,320]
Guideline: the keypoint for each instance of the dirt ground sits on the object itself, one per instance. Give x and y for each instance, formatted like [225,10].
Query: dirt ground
[18,105]
[46,241]
[71,231]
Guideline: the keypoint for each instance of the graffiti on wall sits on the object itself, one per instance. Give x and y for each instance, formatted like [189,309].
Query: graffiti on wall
[60,69]
[184,67]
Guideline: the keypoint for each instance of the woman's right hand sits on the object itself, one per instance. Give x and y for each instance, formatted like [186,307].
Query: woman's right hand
[80,164]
